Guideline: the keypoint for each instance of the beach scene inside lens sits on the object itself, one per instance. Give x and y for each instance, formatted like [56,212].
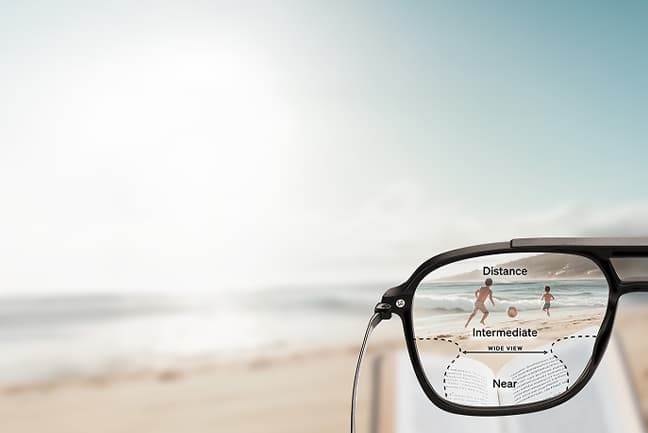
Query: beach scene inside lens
[508,329]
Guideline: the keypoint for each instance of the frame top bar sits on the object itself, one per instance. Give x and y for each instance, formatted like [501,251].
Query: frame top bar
[580,242]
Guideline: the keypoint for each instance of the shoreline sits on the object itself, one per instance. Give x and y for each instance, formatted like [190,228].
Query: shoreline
[270,394]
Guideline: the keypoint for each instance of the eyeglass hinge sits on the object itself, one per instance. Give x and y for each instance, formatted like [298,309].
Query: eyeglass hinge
[384,310]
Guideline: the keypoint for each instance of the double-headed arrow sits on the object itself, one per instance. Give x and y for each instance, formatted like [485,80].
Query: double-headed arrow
[504,351]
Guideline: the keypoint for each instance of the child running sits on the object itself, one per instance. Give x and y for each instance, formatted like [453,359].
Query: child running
[482,294]
[547,298]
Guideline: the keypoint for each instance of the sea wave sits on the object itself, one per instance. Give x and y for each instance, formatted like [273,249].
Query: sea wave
[456,303]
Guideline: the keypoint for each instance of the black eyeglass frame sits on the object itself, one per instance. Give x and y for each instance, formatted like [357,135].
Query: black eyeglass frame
[398,300]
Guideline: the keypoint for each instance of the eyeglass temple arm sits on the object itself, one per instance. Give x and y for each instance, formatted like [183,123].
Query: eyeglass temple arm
[381,312]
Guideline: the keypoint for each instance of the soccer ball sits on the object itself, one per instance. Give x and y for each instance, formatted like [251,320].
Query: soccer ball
[512,311]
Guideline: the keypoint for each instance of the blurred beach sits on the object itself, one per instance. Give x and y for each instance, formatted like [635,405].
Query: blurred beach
[181,182]
[116,366]
[50,337]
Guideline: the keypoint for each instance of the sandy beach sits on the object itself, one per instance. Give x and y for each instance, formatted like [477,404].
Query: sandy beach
[295,393]
[563,323]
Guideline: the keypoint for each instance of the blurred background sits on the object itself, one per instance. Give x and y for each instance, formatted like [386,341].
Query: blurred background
[201,202]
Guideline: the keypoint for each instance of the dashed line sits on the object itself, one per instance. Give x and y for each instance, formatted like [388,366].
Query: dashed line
[561,361]
[439,339]
[445,373]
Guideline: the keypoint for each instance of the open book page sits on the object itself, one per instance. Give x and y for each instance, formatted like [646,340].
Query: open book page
[607,404]
[468,382]
[539,377]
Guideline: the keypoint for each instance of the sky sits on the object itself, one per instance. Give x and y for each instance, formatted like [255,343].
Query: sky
[207,145]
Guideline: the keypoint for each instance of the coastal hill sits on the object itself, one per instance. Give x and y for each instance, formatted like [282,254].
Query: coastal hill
[541,267]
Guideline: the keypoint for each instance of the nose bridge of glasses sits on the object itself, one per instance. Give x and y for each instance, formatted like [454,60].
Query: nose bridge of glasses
[632,272]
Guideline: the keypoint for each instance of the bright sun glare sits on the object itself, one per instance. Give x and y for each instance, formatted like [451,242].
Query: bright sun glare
[213,121]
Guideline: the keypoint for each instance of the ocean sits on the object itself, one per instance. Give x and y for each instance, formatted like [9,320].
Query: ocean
[49,336]
[448,297]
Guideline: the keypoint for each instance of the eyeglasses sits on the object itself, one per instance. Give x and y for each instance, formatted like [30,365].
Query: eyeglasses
[513,327]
